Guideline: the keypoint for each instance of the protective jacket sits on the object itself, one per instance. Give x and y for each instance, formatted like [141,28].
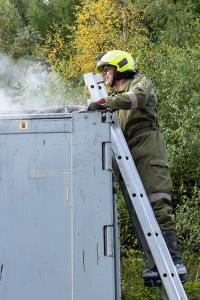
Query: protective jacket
[135,104]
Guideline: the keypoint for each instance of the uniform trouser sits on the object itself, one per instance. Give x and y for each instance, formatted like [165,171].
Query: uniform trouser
[149,153]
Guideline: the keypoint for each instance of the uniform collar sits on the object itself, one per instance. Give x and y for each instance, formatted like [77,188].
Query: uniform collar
[124,86]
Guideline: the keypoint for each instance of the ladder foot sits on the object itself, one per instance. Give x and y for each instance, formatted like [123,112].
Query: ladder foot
[183,277]
[151,277]
[152,282]
[182,272]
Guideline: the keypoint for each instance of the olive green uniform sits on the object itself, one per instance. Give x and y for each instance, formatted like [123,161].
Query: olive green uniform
[135,106]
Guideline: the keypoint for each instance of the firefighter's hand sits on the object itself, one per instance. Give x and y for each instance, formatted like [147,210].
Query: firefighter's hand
[98,105]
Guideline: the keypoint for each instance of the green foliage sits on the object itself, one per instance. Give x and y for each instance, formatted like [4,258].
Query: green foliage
[43,14]
[193,290]
[38,15]
[10,22]
[188,222]
[132,282]
[55,50]
[133,285]
[24,24]
[22,6]
[26,43]
[128,238]
[175,73]
[170,22]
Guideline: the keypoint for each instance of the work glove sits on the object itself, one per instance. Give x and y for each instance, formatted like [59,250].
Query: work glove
[98,105]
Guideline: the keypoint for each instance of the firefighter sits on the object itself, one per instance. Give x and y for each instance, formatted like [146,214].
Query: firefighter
[135,105]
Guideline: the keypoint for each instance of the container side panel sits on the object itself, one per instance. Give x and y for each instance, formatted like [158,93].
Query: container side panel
[94,276]
[35,216]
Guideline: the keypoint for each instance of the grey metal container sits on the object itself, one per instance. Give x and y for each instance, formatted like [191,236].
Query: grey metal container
[57,212]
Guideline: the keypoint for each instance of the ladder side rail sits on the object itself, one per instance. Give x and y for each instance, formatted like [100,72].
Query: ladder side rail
[95,85]
[146,215]
[133,215]
[92,83]
[101,85]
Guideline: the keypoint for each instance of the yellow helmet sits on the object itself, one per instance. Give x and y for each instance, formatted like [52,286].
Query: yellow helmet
[122,60]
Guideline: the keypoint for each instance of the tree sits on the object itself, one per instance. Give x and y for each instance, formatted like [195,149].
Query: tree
[10,22]
[100,26]
[26,43]
[22,6]
[43,14]
[169,21]
[176,76]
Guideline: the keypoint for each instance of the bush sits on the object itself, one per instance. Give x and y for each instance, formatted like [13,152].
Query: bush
[132,282]
[193,290]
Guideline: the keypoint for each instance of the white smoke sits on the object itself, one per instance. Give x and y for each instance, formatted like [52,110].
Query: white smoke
[6,102]
[27,84]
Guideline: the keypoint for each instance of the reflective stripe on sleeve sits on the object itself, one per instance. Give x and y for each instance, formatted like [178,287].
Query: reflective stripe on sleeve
[133,99]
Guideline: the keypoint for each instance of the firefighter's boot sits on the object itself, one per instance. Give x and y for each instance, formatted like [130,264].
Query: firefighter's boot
[172,244]
[151,275]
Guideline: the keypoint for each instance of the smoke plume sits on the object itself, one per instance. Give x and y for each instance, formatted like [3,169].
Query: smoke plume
[27,84]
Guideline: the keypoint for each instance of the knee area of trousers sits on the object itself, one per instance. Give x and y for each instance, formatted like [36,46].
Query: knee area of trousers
[163,212]
[165,218]
[162,207]
[160,200]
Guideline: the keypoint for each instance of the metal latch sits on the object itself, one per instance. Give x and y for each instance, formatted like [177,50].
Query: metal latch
[106,156]
[108,241]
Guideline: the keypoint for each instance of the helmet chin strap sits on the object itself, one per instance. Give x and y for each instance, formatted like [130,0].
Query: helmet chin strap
[115,78]
[125,75]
